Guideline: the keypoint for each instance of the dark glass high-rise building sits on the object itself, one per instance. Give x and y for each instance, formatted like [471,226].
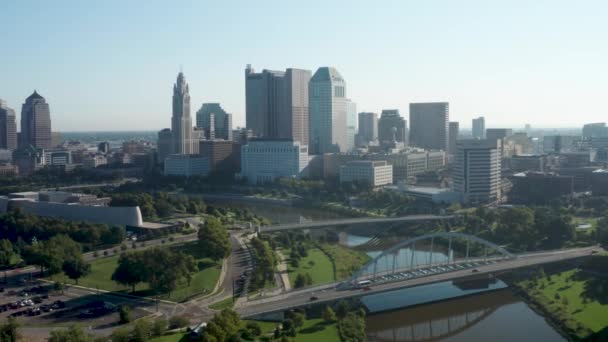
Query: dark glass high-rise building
[368,128]
[214,120]
[277,103]
[392,126]
[8,127]
[181,122]
[429,125]
[35,122]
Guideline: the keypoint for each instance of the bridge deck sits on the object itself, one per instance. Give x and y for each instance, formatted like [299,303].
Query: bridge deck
[350,221]
[302,298]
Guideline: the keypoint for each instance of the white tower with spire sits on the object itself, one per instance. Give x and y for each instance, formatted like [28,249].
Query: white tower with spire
[181,122]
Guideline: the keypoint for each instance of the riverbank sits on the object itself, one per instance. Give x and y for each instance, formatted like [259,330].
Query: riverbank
[574,300]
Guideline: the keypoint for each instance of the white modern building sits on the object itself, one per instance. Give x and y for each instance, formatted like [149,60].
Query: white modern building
[263,161]
[374,173]
[186,165]
[351,124]
[477,174]
[328,112]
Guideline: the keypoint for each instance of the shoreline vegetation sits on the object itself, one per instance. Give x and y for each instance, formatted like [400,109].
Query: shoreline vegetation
[574,300]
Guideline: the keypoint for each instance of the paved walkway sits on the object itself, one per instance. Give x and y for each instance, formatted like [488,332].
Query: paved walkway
[283,272]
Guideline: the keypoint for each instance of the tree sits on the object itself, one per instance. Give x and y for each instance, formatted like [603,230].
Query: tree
[141,330]
[7,253]
[121,335]
[124,314]
[254,328]
[213,239]
[53,253]
[300,281]
[9,332]
[130,270]
[76,269]
[289,327]
[329,316]
[298,319]
[72,334]
[602,231]
[159,326]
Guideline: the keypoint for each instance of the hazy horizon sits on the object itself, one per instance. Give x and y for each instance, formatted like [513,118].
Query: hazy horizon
[111,66]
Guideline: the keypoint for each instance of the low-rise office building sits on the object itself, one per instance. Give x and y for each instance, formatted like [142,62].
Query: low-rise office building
[263,161]
[373,173]
[528,162]
[539,187]
[186,165]
[599,182]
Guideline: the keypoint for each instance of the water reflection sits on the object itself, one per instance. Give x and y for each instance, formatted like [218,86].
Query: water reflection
[496,316]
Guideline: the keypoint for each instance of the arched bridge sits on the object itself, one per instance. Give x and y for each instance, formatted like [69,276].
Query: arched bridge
[418,261]
[428,254]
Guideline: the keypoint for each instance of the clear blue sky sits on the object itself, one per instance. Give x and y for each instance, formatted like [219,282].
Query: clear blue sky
[110,65]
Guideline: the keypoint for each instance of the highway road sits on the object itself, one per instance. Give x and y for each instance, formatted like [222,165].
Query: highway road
[350,221]
[330,293]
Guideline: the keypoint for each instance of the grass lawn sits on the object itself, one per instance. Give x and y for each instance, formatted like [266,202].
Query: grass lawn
[227,303]
[321,270]
[202,282]
[314,330]
[347,261]
[179,337]
[564,295]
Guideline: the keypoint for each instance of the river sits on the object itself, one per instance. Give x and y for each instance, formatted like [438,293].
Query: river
[438,312]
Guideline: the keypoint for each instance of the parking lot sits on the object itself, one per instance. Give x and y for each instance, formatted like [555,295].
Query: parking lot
[36,303]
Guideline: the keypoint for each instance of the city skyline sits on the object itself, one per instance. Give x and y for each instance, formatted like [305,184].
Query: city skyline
[543,71]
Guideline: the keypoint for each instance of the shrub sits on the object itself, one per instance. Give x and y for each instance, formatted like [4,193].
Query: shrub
[159,327]
[124,314]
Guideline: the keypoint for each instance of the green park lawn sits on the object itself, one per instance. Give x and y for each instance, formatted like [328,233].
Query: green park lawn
[179,337]
[317,264]
[227,303]
[346,260]
[314,330]
[202,282]
[584,316]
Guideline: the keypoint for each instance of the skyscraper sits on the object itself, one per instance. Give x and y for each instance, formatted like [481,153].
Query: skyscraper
[479,128]
[164,147]
[392,126]
[351,124]
[477,174]
[327,99]
[181,122]
[36,122]
[429,125]
[454,129]
[216,123]
[277,103]
[8,127]
[368,128]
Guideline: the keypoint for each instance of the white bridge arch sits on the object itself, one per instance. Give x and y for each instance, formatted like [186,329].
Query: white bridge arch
[370,272]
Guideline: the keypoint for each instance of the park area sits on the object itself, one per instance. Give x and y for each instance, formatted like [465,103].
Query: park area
[203,281]
[313,330]
[577,298]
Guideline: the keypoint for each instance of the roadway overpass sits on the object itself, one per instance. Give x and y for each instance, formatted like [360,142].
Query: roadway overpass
[352,221]
[331,292]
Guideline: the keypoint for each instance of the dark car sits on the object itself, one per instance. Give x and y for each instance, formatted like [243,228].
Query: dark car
[313,298]
[474,270]
[58,305]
